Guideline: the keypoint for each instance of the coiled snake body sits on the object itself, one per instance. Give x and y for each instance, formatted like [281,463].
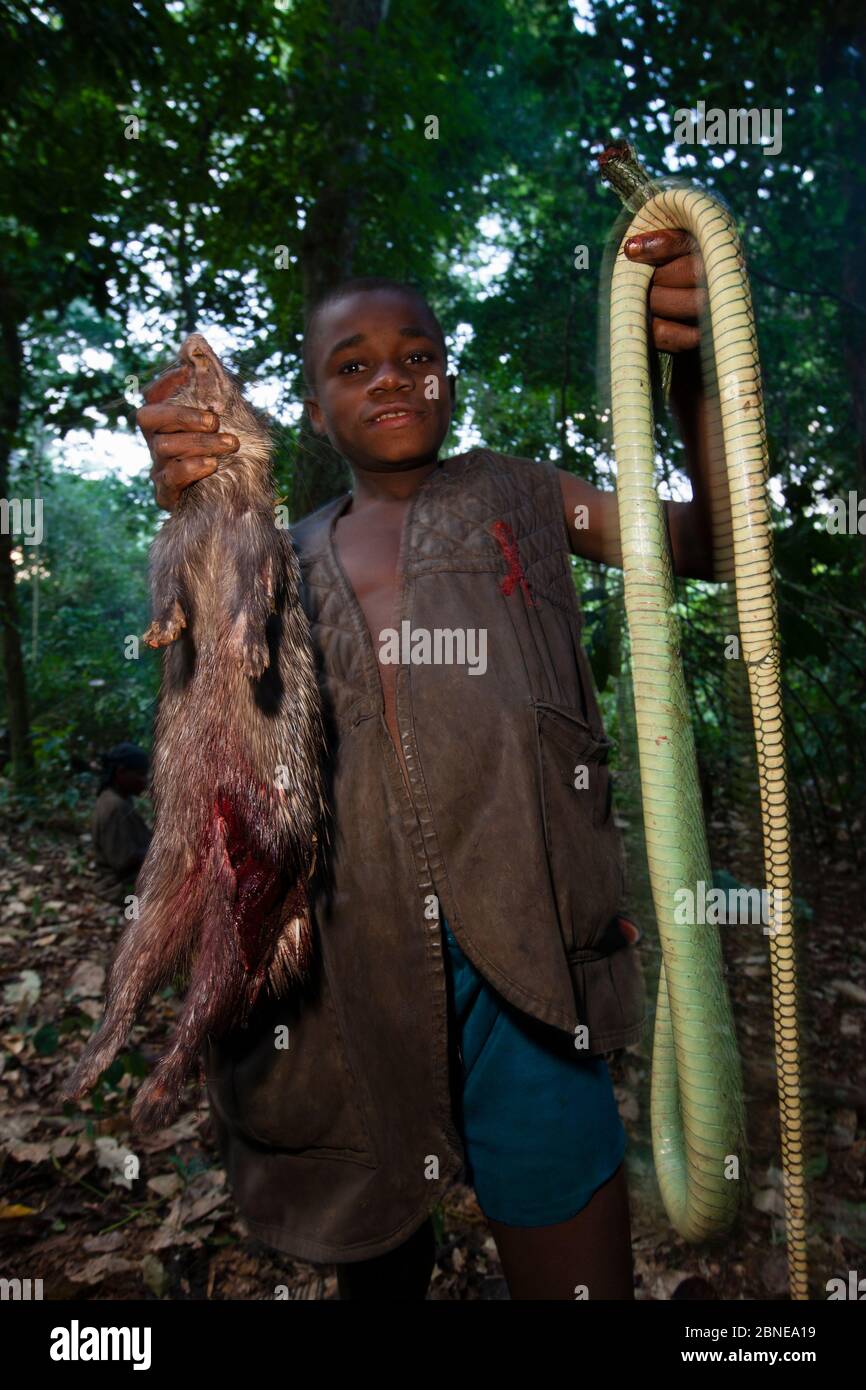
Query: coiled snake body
[696,1096]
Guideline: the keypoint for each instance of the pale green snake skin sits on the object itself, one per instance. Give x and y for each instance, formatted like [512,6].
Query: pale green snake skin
[696,1094]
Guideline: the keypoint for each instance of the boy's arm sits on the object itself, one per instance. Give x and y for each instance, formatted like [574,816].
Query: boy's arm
[677,295]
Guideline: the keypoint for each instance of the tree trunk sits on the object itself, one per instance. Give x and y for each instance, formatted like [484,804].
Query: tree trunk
[843,74]
[188,310]
[331,231]
[853,323]
[17,716]
[319,473]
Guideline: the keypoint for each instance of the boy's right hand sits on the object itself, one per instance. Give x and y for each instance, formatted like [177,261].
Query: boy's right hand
[182,440]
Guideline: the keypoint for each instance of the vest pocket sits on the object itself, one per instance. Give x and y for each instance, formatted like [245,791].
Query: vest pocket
[583,845]
[302,1097]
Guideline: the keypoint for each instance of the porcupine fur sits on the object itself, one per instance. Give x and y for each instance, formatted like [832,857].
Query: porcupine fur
[236,776]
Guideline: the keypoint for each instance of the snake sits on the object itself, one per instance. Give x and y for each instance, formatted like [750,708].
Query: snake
[696,1089]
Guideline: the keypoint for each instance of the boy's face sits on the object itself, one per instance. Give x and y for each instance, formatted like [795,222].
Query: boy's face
[382,394]
[129,782]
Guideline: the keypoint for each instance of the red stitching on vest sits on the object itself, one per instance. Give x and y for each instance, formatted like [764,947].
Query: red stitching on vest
[507,541]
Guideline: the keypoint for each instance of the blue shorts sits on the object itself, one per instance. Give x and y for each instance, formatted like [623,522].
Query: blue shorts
[539,1121]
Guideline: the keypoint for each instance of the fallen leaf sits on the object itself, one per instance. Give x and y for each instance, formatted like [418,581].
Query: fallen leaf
[17,1126]
[769,1199]
[666,1281]
[102,1245]
[849,990]
[115,1158]
[203,1195]
[165,1239]
[164,1184]
[62,1147]
[30,1153]
[94,1271]
[91,1007]
[88,979]
[155,1275]
[25,990]
[774,1271]
[171,1138]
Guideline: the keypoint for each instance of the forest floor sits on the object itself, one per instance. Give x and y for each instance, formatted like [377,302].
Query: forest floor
[70,1216]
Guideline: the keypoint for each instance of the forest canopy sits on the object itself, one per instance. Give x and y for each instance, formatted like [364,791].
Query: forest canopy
[171,167]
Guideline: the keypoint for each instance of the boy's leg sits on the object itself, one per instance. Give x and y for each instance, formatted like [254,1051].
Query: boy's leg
[591,1249]
[400,1274]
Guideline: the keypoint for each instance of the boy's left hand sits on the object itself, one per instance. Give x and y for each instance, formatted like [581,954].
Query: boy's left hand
[678,288]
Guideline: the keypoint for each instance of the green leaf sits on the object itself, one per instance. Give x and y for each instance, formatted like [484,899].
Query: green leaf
[46,1040]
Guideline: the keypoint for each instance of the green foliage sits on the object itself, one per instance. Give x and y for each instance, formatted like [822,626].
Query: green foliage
[92,596]
[46,1040]
[264,127]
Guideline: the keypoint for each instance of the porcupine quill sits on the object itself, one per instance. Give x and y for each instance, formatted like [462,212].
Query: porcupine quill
[236,782]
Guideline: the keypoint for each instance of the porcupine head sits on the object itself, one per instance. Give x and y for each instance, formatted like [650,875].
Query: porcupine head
[236,767]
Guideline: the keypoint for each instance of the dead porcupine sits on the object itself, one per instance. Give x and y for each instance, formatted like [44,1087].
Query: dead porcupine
[237,779]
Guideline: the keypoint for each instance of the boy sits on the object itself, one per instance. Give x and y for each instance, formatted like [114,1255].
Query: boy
[472,977]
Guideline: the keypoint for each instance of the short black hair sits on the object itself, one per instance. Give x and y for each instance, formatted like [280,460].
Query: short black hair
[358,284]
[123,755]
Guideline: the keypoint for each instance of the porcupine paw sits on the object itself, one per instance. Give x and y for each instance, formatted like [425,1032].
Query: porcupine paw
[156,1105]
[167,628]
[94,1060]
[254,660]
[251,653]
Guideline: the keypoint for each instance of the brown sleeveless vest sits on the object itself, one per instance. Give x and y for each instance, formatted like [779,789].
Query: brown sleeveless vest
[338,1144]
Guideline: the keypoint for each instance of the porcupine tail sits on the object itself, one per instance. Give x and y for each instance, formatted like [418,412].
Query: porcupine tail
[254,933]
[154,948]
[232,922]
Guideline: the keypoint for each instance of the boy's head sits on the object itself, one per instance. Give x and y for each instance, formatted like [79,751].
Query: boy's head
[375,367]
[125,768]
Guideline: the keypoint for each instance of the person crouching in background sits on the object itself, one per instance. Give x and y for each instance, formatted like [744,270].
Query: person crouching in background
[120,835]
